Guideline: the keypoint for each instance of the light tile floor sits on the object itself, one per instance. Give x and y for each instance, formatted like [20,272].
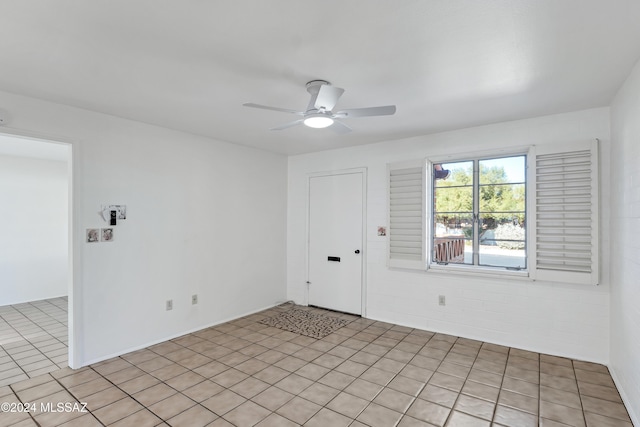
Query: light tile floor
[33,339]
[368,373]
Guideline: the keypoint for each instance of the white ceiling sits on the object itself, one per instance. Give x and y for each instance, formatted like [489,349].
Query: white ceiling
[191,64]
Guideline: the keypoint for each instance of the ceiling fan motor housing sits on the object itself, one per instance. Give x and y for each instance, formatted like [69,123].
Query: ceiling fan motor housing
[314,85]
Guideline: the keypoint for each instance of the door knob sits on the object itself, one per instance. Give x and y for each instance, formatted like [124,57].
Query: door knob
[357,251]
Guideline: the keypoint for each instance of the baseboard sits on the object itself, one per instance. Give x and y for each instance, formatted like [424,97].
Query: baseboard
[460,334]
[161,340]
[33,300]
[635,418]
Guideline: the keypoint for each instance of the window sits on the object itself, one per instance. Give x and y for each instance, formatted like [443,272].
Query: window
[479,213]
[535,212]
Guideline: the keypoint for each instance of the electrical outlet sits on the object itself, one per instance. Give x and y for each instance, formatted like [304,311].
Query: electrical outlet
[194,299]
[169,304]
[441,300]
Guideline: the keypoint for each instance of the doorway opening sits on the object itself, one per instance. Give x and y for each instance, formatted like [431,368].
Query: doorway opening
[35,256]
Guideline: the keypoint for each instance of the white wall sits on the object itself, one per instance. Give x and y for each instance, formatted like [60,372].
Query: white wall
[552,318]
[33,229]
[204,217]
[625,251]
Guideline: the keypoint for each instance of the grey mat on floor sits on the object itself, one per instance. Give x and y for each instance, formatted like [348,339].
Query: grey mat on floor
[306,322]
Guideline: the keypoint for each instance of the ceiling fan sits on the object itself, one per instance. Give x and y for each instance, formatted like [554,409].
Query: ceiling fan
[319,112]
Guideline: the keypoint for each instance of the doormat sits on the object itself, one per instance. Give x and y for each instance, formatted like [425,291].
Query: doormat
[306,322]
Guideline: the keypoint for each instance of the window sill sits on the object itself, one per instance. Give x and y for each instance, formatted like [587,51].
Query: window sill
[475,271]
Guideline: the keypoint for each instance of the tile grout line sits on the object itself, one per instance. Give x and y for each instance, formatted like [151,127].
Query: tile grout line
[136,400]
[331,370]
[387,383]
[392,378]
[27,339]
[15,362]
[180,392]
[539,389]
[49,316]
[427,382]
[504,374]
[10,324]
[584,414]
[21,401]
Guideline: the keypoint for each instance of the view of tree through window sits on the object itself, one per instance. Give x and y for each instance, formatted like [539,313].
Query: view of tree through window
[479,212]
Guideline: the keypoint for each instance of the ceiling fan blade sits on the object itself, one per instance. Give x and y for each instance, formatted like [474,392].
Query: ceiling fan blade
[288,125]
[339,127]
[266,107]
[386,110]
[328,97]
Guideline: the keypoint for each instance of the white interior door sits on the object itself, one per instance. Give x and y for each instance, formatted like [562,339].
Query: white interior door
[335,242]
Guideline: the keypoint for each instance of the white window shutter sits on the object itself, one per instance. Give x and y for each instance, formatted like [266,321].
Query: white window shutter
[564,201]
[406,215]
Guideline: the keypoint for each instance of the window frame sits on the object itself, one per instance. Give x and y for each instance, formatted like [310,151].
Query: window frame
[556,251]
[476,270]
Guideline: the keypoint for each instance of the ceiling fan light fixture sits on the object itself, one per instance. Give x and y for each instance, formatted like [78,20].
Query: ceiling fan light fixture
[318,121]
[320,110]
